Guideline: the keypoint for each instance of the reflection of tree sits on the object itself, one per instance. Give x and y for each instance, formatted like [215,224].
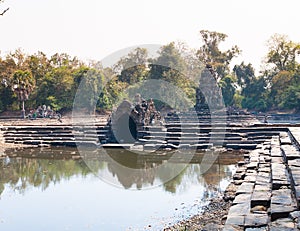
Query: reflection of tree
[210,179]
[22,173]
[54,164]
[168,172]
[129,169]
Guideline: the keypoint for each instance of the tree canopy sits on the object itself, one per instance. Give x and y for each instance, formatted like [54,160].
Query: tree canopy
[54,80]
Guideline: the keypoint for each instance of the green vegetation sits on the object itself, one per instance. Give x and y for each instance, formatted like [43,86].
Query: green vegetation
[38,79]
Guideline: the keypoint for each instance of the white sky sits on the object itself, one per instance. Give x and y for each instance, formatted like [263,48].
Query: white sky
[93,29]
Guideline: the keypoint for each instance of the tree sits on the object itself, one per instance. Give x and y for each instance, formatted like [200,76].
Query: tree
[210,54]
[291,98]
[170,66]
[282,71]
[90,90]
[244,73]
[282,53]
[132,68]
[255,95]
[3,11]
[22,84]
[228,90]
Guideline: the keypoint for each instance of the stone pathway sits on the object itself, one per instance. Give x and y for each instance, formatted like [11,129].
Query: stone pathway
[295,133]
[266,188]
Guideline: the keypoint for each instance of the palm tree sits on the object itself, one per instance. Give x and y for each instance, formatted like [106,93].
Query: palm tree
[22,84]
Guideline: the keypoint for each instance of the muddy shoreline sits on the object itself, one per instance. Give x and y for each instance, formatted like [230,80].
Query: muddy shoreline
[213,217]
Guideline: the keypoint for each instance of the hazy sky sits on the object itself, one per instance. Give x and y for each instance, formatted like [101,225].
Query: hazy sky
[93,29]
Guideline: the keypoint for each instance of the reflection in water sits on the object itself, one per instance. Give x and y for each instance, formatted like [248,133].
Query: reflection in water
[55,166]
[20,172]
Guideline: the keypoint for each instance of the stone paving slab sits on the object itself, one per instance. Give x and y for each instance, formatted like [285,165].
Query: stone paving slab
[261,198]
[256,220]
[267,196]
[245,187]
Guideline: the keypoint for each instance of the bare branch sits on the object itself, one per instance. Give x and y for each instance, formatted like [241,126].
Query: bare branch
[4,11]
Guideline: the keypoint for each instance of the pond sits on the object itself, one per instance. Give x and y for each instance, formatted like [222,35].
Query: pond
[56,190]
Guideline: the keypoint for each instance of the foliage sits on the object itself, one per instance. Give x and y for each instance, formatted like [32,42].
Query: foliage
[55,80]
[210,53]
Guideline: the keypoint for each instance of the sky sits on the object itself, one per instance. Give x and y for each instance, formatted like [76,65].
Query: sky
[94,29]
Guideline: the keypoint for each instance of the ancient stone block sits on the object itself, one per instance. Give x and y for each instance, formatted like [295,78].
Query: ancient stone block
[276,160]
[284,224]
[232,228]
[264,228]
[235,220]
[295,215]
[242,198]
[252,165]
[263,180]
[260,198]
[263,187]
[238,176]
[239,209]
[245,187]
[250,178]
[297,192]
[281,211]
[256,220]
[282,196]
[277,184]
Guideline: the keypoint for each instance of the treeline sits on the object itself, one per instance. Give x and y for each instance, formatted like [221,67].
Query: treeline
[38,79]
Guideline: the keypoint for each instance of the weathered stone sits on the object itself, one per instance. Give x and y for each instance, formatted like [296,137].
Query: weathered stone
[262,159]
[235,220]
[297,192]
[242,198]
[277,169]
[256,220]
[264,174]
[296,177]
[295,215]
[264,228]
[276,153]
[232,228]
[276,160]
[289,148]
[282,196]
[241,163]
[252,165]
[286,141]
[281,211]
[239,176]
[238,182]
[292,156]
[263,187]
[251,172]
[260,198]
[265,169]
[241,169]
[277,184]
[263,180]
[295,162]
[239,209]
[284,224]
[268,159]
[245,187]
[250,178]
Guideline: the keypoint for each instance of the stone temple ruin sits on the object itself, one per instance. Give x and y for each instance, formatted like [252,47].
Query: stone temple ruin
[127,123]
[208,94]
[129,118]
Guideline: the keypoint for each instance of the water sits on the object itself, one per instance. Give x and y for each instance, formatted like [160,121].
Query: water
[61,193]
